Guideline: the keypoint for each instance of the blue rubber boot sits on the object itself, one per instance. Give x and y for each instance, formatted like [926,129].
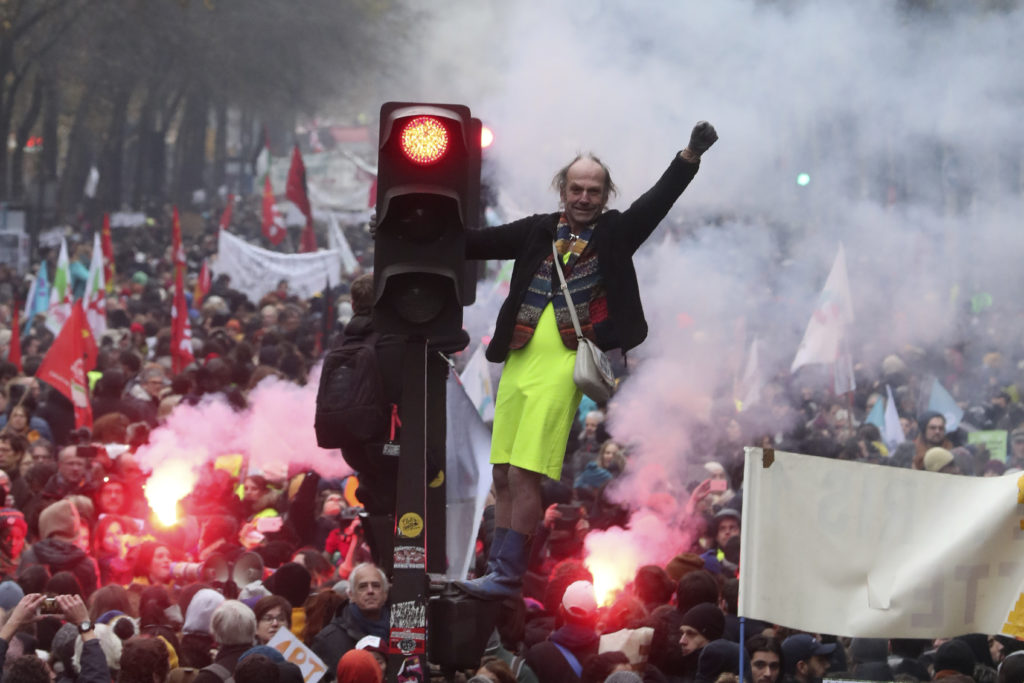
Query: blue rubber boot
[492,556]
[506,581]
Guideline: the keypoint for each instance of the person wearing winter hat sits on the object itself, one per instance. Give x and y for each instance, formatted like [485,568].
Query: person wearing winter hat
[939,459]
[682,564]
[565,652]
[292,582]
[724,525]
[698,626]
[806,658]
[92,661]
[10,595]
[717,657]
[358,666]
[13,530]
[59,529]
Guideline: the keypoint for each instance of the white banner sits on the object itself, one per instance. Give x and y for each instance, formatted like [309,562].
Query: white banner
[255,271]
[846,548]
[468,477]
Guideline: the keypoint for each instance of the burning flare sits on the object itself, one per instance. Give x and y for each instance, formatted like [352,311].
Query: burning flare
[171,481]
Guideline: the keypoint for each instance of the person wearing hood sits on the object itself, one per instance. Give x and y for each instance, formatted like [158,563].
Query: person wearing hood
[561,658]
[13,530]
[59,529]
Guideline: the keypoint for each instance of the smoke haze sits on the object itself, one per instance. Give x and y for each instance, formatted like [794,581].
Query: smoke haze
[907,122]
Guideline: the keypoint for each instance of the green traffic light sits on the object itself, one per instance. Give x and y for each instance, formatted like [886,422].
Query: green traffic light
[803,179]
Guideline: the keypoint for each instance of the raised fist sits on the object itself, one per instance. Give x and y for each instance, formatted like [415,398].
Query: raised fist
[702,137]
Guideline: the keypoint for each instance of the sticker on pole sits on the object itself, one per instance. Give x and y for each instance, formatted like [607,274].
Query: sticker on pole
[409,557]
[410,525]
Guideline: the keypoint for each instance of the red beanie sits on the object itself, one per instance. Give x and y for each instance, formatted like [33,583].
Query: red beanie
[359,666]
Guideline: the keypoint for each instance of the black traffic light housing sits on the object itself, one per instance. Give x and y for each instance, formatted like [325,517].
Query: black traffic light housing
[426,200]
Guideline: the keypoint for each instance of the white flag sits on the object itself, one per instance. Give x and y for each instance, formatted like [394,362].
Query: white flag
[751,383]
[336,240]
[92,181]
[95,299]
[476,380]
[821,342]
[60,293]
[893,435]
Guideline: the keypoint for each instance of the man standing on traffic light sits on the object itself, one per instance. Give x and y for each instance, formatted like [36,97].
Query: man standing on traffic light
[535,336]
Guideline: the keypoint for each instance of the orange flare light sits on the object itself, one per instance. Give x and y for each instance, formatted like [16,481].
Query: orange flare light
[424,140]
[171,481]
[611,574]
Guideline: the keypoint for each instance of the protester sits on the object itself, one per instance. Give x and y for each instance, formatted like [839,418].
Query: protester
[537,398]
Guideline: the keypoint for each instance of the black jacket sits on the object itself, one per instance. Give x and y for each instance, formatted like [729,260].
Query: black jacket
[617,235]
[341,635]
[59,555]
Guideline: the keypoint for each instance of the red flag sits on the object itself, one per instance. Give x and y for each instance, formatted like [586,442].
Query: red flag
[299,195]
[108,255]
[203,285]
[14,351]
[371,200]
[65,364]
[181,330]
[272,228]
[225,218]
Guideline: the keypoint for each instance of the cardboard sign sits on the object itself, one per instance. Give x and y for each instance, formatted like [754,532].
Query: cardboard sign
[993,439]
[296,652]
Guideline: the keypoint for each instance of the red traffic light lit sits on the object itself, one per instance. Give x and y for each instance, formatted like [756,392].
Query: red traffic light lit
[424,140]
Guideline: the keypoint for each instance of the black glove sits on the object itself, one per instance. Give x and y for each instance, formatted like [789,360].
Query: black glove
[702,137]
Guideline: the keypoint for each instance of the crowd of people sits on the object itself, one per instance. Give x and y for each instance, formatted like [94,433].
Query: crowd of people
[95,588]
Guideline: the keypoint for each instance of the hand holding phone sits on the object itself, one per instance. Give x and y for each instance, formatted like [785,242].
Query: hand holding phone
[719,485]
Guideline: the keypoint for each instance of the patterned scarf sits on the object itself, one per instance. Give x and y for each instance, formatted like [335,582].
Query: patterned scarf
[581,275]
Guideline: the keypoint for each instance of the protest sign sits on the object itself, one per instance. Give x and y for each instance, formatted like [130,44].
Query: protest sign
[296,652]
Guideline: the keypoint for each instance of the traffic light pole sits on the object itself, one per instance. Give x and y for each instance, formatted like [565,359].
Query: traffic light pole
[410,586]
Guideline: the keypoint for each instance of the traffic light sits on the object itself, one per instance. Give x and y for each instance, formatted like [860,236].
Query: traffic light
[428,182]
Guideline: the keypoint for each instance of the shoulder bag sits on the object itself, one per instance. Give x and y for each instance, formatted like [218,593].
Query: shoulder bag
[593,373]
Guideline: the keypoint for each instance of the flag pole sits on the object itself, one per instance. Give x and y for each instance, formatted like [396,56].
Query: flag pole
[743,628]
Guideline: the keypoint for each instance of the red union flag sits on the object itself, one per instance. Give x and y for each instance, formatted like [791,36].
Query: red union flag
[298,194]
[273,224]
[72,354]
[229,208]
